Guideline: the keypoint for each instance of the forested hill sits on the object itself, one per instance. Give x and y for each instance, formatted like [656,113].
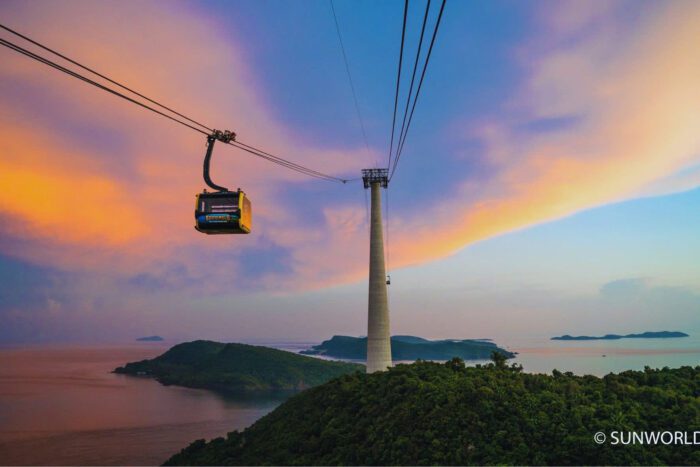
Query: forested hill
[447,414]
[409,348]
[207,364]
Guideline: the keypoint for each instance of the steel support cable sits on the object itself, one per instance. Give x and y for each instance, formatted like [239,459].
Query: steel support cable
[58,54]
[286,164]
[420,84]
[415,68]
[398,80]
[275,159]
[347,69]
[45,61]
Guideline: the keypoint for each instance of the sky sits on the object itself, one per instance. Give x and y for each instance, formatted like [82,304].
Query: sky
[549,183]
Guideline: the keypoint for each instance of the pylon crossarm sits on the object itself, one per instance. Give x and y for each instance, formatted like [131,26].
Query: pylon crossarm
[380,176]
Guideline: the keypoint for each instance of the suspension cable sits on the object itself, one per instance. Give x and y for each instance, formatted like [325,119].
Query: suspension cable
[413,76]
[398,80]
[254,151]
[45,61]
[289,165]
[420,84]
[352,86]
[58,54]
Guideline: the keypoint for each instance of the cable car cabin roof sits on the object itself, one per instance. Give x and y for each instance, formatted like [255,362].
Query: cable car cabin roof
[223,212]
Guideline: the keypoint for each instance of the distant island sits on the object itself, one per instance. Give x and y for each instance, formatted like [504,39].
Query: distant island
[612,337]
[237,367]
[150,339]
[430,413]
[409,348]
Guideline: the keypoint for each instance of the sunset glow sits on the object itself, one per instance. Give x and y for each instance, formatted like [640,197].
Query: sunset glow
[566,113]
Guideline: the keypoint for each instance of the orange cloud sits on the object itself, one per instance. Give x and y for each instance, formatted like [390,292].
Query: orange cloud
[636,101]
[134,201]
[65,205]
[633,93]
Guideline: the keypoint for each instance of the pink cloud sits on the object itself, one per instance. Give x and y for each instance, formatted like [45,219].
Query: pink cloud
[635,100]
[134,221]
[633,90]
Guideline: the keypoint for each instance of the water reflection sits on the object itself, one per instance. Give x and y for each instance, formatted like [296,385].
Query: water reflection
[600,357]
[62,405]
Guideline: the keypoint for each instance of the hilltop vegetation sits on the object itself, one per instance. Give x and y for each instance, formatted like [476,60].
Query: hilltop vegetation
[409,348]
[446,413]
[213,365]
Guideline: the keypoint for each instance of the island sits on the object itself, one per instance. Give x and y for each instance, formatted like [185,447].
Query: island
[611,337]
[405,348]
[237,367]
[429,413]
[150,339]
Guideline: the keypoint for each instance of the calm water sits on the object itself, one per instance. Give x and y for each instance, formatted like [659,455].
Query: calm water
[541,355]
[62,406]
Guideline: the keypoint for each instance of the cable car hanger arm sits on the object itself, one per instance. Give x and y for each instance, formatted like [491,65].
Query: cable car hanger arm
[225,137]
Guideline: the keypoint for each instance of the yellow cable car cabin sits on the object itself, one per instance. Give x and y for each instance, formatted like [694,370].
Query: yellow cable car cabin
[223,212]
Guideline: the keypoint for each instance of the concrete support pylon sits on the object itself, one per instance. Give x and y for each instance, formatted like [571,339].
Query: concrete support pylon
[378,333]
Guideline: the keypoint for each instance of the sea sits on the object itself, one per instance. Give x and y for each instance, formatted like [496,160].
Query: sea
[62,405]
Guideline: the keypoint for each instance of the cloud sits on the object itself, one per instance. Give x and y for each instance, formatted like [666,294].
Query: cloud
[95,184]
[643,301]
[625,288]
[645,290]
[24,284]
[606,109]
[623,96]
[168,277]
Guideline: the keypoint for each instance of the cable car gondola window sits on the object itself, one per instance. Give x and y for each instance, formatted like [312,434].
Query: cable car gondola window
[221,204]
[223,212]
